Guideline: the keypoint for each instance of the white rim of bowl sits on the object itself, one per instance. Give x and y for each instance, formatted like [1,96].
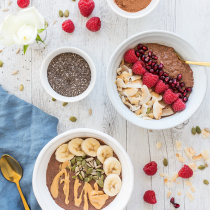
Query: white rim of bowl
[132,17]
[142,125]
[74,131]
[46,84]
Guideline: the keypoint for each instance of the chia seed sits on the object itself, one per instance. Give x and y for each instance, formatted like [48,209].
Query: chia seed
[69,74]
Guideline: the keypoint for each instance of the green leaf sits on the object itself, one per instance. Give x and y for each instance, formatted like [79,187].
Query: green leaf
[25,47]
[39,31]
[38,39]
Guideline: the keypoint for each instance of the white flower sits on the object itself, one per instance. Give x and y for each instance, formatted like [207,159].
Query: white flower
[21,28]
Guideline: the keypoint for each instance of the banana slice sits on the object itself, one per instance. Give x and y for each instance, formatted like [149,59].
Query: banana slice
[104,152]
[63,154]
[90,146]
[112,166]
[112,185]
[75,147]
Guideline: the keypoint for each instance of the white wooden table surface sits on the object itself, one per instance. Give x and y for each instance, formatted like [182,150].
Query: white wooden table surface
[188,18]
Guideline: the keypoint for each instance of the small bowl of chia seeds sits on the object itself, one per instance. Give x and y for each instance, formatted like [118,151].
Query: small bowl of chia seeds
[68,74]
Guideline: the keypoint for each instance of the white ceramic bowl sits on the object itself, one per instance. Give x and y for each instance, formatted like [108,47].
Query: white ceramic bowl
[44,79]
[187,52]
[40,189]
[133,15]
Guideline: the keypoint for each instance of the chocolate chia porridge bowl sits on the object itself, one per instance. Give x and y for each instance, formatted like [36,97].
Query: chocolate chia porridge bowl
[68,74]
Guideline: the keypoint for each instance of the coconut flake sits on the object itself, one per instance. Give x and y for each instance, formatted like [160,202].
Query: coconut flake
[190,152]
[147,118]
[164,175]
[134,84]
[120,83]
[158,145]
[135,77]
[156,97]
[134,100]
[178,145]
[179,192]
[169,184]
[130,91]
[157,110]
[181,159]
[191,198]
[144,109]
[205,154]
[193,166]
[167,112]
[205,133]
[174,176]
[188,183]
[196,158]
[169,194]
[145,95]
[192,189]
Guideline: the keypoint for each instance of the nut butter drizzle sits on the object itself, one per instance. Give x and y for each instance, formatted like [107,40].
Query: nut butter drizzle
[96,198]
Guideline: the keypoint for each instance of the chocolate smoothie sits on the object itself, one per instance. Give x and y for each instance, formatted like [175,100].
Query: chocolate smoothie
[54,168]
[132,5]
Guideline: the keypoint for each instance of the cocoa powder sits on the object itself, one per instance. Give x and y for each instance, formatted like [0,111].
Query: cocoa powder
[132,5]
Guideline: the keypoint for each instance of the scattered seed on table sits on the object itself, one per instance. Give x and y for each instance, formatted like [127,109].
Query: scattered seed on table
[14,72]
[21,87]
[193,131]
[1,63]
[64,103]
[198,130]
[54,22]
[205,181]
[60,13]
[73,119]
[90,112]
[17,51]
[53,99]
[1,51]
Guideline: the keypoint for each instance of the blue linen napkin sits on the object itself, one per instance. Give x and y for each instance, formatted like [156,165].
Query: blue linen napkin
[24,131]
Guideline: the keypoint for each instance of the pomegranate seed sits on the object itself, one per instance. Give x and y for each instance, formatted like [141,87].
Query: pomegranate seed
[137,53]
[185,93]
[148,67]
[176,205]
[154,57]
[145,48]
[161,72]
[180,95]
[179,77]
[165,74]
[188,89]
[185,99]
[150,62]
[155,67]
[156,72]
[143,57]
[173,86]
[170,81]
[174,81]
[151,71]
[181,90]
[142,52]
[150,54]
[160,66]
[167,79]
[172,200]
[153,64]
[147,59]
[177,85]
[162,77]
[182,84]
[140,46]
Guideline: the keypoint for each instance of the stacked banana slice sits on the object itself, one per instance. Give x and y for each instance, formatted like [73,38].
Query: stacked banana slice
[90,168]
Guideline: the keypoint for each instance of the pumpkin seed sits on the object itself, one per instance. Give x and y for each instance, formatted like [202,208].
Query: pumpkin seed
[67,167]
[21,87]
[90,177]
[73,119]
[86,179]
[205,181]
[1,63]
[98,174]
[99,169]
[60,13]
[85,167]
[165,162]
[95,178]
[201,167]
[98,162]
[80,176]
[84,156]
[53,99]
[79,163]
[83,162]
[193,131]
[66,13]
[79,158]
[148,110]
[64,103]
[73,161]
[73,168]
[74,177]
[102,177]
[100,183]
[198,130]
[89,171]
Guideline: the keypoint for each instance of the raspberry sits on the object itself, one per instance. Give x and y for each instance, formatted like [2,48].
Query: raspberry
[86,7]
[149,197]
[150,79]
[68,26]
[169,96]
[139,67]
[161,87]
[150,169]
[130,56]
[185,172]
[94,24]
[178,105]
[23,3]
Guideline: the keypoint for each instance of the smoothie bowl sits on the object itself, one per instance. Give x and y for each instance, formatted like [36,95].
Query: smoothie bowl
[83,169]
[150,86]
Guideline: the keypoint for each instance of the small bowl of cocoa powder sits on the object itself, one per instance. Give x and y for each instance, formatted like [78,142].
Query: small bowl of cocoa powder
[68,74]
[133,9]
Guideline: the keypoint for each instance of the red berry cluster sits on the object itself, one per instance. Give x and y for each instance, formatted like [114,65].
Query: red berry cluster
[155,77]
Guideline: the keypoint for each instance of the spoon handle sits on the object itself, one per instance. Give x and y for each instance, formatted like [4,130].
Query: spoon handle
[198,63]
[22,197]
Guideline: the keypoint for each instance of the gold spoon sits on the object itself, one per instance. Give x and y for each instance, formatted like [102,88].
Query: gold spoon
[13,172]
[193,62]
